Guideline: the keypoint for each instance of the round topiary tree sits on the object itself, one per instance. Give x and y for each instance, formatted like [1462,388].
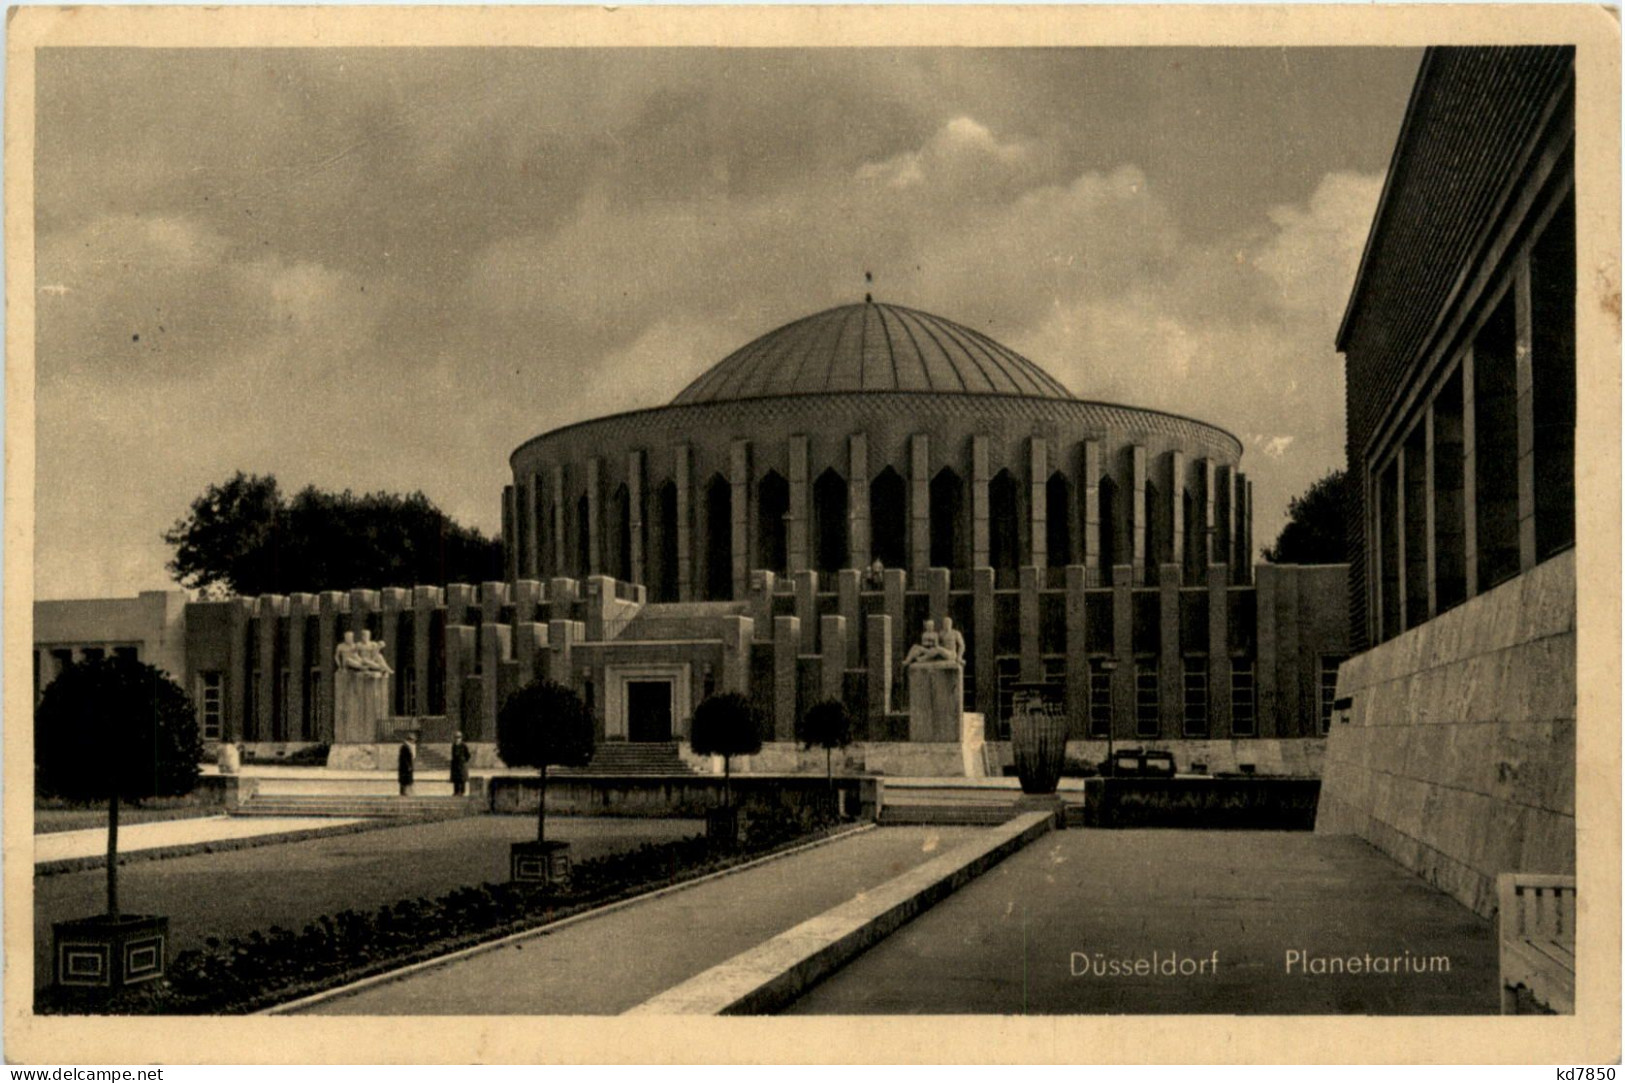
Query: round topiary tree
[725,725]
[542,725]
[826,725]
[115,729]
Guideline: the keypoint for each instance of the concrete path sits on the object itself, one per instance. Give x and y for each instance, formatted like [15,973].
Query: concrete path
[611,963]
[92,842]
[1005,943]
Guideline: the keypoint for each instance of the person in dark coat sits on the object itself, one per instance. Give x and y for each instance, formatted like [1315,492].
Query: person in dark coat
[404,764]
[459,766]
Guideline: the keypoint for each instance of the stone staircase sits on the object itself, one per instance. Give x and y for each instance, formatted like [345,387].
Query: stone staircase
[630,758]
[358,805]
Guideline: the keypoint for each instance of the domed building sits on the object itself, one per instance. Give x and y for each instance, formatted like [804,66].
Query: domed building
[785,527]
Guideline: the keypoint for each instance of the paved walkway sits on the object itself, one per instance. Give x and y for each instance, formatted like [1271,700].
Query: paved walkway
[92,842]
[608,964]
[1004,944]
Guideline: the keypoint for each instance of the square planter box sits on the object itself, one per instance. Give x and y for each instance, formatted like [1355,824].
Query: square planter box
[722,825]
[109,953]
[539,862]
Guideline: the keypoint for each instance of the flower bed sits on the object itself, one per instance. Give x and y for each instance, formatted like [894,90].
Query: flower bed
[244,974]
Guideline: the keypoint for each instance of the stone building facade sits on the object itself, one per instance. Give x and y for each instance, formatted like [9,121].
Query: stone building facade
[1455,750]
[149,627]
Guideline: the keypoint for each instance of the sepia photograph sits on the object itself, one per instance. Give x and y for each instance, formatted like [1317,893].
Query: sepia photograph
[1080,523]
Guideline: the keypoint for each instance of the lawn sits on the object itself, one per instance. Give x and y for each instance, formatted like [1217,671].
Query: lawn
[53,816]
[291,884]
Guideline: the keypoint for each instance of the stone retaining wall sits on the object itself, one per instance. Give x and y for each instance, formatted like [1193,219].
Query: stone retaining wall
[1457,756]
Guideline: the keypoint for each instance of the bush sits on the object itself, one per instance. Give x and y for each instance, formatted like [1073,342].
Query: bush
[115,726]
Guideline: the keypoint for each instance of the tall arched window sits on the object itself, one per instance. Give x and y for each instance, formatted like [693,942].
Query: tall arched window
[772,505]
[830,522]
[583,536]
[1058,520]
[663,576]
[1003,523]
[620,533]
[949,538]
[719,568]
[1109,518]
[888,519]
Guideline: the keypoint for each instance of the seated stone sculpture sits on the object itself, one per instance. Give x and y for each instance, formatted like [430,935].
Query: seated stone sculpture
[929,648]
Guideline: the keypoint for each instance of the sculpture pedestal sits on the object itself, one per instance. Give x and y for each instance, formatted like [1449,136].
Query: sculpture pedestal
[936,701]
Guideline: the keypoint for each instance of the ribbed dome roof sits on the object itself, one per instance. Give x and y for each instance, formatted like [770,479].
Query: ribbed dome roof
[871,347]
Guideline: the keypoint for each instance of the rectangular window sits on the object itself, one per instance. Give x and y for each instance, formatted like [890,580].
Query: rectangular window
[409,690]
[1328,687]
[1007,673]
[210,699]
[1147,702]
[1196,697]
[1243,705]
[311,709]
[1100,703]
[128,654]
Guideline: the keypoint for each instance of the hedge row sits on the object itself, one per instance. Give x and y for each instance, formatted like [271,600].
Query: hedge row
[244,974]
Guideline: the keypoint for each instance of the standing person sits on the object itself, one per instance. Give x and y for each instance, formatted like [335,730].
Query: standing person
[459,766]
[404,765]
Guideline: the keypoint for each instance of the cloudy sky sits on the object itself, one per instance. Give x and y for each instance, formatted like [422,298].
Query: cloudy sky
[384,269]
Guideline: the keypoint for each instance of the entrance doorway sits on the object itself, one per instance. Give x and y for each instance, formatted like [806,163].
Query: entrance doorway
[648,710]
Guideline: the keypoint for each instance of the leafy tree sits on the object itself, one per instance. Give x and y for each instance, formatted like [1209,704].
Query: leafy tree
[245,536]
[725,725]
[826,725]
[542,725]
[1314,533]
[115,729]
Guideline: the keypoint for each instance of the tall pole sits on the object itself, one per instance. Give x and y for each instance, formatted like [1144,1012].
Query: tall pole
[112,855]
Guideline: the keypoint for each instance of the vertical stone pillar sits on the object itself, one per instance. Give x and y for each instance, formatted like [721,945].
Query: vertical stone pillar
[1288,668]
[1265,663]
[1123,721]
[300,606]
[1038,504]
[459,664]
[919,510]
[1225,478]
[1246,569]
[983,645]
[1208,523]
[363,603]
[857,502]
[529,648]
[832,661]
[846,604]
[525,595]
[393,601]
[937,581]
[493,596]
[562,636]
[495,641]
[1241,552]
[880,668]
[1400,556]
[1469,472]
[425,600]
[1218,652]
[739,507]
[796,517]
[738,634]
[1077,651]
[1091,512]
[1136,510]
[634,498]
[269,607]
[1524,377]
[1032,665]
[786,651]
[238,723]
[979,477]
[894,588]
[1176,513]
[510,528]
[1171,656]
[683,468]
[807,610]
[556,560]
[593,560]
[329,630]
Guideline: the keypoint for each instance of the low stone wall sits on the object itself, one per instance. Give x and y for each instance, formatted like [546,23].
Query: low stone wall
[1457,756]
[1257,804]
[384,757]
[647,795]
[1297,757]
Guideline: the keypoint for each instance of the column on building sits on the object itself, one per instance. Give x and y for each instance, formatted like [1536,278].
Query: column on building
[847,605]
[330,628]
[682,471]
[832,658]
[300,606]
[880,662]
[634,496]
[1136,511]
[394,600]
[1077,651]
[1090,488]
[529,543]
[919,510]
[786,652]
[592,563]
[983,653]
[425,600]
[857,503]
[740,503]
[1123,680]
[799,558]
[1032,664]
[979,478]
[239,722]
[1220,723]
[1170,655]
[1175,490]
[1208,525]
[1038,503]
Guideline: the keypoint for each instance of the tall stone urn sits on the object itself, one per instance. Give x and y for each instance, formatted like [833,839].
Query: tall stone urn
[1038,739]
